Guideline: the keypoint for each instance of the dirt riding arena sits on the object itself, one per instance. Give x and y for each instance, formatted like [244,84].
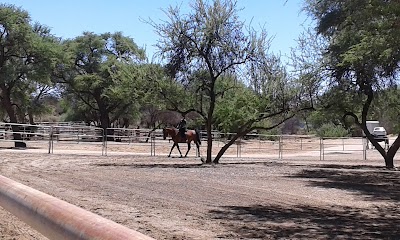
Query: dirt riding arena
[340,197]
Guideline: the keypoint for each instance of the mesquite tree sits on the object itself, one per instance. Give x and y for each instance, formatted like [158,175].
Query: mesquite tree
[211,55]
[103,73]
[363,53]
[28,54]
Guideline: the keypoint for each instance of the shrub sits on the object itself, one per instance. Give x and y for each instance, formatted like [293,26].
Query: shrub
[332,130]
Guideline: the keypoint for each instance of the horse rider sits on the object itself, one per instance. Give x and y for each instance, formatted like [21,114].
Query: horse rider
[182,128]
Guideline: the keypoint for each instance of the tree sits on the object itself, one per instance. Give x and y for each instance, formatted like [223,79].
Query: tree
[105,75]
[207,47]
[28,53]
[363,53]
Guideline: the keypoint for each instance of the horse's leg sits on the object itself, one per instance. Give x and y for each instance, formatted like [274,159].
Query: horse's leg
[188,149]
[179,149]
[169,155]
[198,149]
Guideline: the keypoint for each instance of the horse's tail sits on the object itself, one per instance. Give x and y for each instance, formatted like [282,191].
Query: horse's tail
[198,137]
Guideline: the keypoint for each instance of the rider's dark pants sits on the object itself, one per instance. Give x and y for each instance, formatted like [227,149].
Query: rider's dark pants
[182,133]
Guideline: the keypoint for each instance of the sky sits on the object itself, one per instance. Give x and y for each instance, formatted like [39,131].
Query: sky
[283,19]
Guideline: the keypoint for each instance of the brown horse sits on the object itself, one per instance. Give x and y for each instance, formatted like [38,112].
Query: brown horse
[191,135]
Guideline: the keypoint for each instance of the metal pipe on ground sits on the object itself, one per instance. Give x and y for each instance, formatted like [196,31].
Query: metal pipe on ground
[57,219]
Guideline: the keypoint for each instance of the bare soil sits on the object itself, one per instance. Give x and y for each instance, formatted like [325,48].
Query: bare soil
[240,198]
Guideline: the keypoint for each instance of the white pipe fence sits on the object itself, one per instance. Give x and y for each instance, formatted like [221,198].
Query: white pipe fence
[151,142]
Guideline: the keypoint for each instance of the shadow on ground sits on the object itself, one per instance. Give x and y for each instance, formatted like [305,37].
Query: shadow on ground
[151,165]
[305,222]
[372,183]
[183,164]
[334,222]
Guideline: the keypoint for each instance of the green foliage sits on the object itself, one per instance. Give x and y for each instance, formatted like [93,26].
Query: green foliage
[385,109]
[106,73]
[361,33]
[270,135]
[73,110]
[28,55]
[331,130]
[238,106]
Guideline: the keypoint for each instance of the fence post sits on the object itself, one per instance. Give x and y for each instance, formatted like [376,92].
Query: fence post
[280,147]
[238,148]
[301,143]
[105,140]
[152,145]
[343,143]
[103,146]
[51,140]
[364,143]
[321,148]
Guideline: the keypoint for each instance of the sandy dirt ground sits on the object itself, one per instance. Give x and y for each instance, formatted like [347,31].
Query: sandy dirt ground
[343,197]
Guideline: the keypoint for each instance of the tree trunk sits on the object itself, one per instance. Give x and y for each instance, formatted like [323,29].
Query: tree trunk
[226,146]
[105,122]
[105,125]
[209,121]
[30,116]
[392,152]
[209,141]
[387,156]
[6,103]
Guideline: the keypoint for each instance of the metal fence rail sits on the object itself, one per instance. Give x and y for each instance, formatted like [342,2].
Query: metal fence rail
[76,138]
[57,219]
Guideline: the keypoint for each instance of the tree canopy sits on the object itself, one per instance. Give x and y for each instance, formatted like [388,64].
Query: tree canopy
[28,53]
[104,73]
